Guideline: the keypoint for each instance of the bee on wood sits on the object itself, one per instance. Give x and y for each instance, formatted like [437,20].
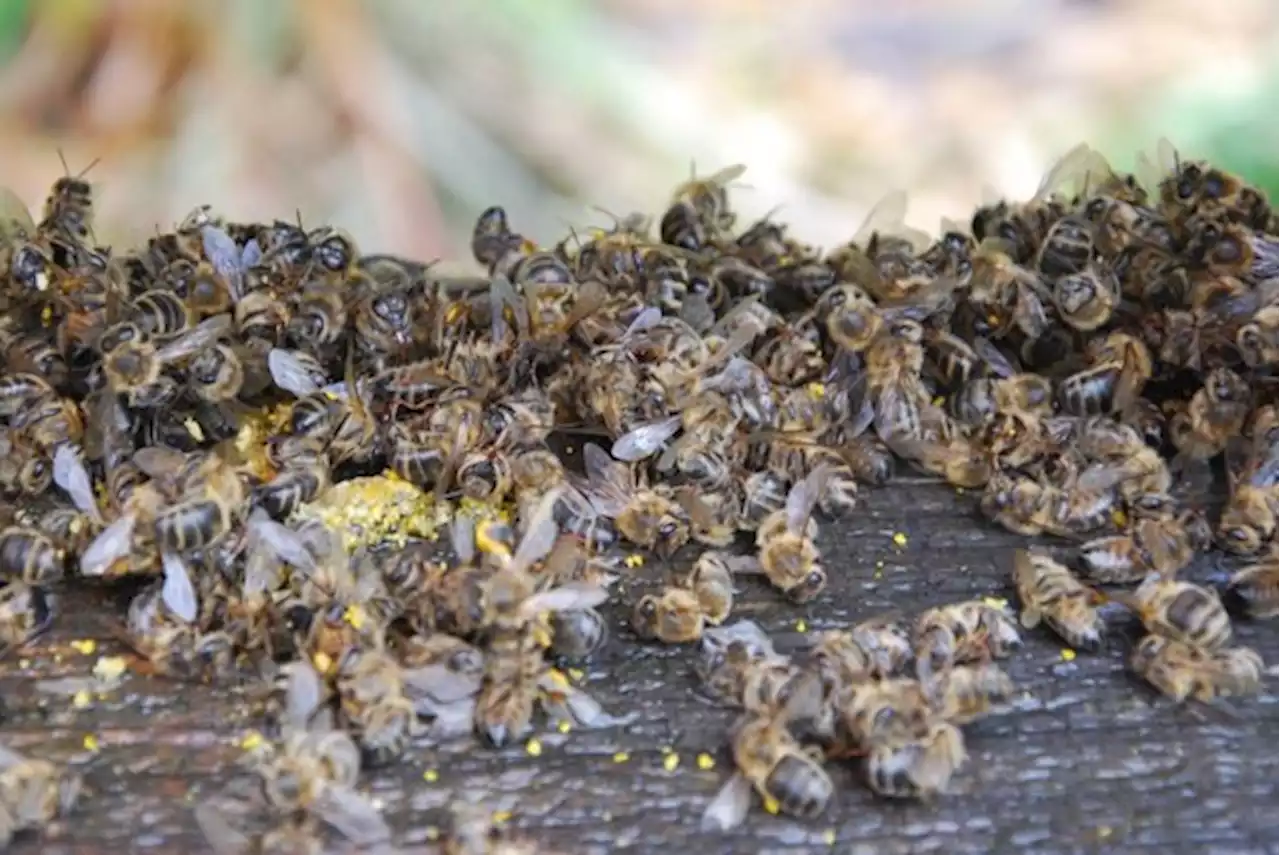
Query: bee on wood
[1182,671]
[1050,593]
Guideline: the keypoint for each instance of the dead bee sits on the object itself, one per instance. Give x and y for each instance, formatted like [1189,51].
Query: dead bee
[699,210]
[472,831]
[33,793]
[68,210]
[787,776]
[134,366]
[648,518]
[963,632]
[877,649]
[212,501]
[1254,591]
[1182,611]
[314,768]
[916,768]
[1182,671]
[737,665]
[25,612]
[1215,413]
[1050,593]
[376,704]
[787,554]
[1248,522]
[1086,299]
[1067,249]
[1161,539]
[711,581]
[1005,294]
[216,374]
[31,556]
[1120,365]
[576,634]
[872,712]
[162,626]
[674,617]
[966,693]
[1026,506]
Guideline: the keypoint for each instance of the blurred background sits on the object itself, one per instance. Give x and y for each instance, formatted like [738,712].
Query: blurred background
[400,120]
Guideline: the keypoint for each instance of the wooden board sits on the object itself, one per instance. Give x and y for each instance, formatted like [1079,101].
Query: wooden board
[1089,761]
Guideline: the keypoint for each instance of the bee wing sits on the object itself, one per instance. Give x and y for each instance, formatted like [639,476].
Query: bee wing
[804,496]
[352,815]
[540,531]
[591,296]
[1100,477]
[995,360]
[159,462]
[463,534]
[729,808]
[15,216]
[645,319]
[1166,156]
[251,254]
[224,255]
[70,474]
[502,294]
[646,439]
[1148,174]
[222,837]
[744,565]
[884,216]
[581,709]
[178,593]
[303,693]
[112,543]
[573,595]
[440,683]
[9,757]
[1029,313]
[281,541]
[722,177]
[696,311]
[602,469]
[1064,169]
[291,372]
[197,339]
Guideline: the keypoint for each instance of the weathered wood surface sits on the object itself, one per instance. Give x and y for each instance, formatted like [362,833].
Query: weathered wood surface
[1090,761]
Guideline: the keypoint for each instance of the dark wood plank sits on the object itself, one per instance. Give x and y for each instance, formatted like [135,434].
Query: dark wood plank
[1091,761]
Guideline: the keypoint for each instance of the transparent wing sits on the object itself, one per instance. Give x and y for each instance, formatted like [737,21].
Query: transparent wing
[996,361]
[15,216]
[804,496]
[295,372]
[540,532]
[112,544]
[440,683]
[729,807]
[279,541]
[178,593]
[224,255]
[159,462]
[600,467]
[251,255]
[646,439]
[463,534]
[574,595]
[1066,169]
[722,177]
[645,319]
[352,815]
[70,474]
[197,339]
[303,693]
[885,215]
[502,295]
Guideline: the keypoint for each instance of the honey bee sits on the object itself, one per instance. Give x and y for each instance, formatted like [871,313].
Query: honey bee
[1254,590]
[1229,249]
[737,665]
[1181,611]
[1215,413]
[1258,339]
[1161,539]
[1121,366]
[1006,294]
[1050,593]
[33,354]
[318,322]
[873,712]
[1086,299]
[647,517]
[1006,391]
[916,768]
[963,632]
[213,501]
[313,769]
[134,366]
[33,793]
[31,556]
[966,693]
[26,611]
[673,617]
[577,634]
[1067,248]
[472,831]
[162,626]
[773,763]
[68,210]
[711,581]
[1180,670]
[876,649]
[787,554]
[1028,507]
[375,703]
[216,374]
[699,211]
[1248,522]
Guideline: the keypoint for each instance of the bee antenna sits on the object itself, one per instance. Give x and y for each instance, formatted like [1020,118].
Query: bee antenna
[65,169]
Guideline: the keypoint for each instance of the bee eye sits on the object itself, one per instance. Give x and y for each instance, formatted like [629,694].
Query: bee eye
[1239,534]
[1213,185]
[815,578]
[1185,189]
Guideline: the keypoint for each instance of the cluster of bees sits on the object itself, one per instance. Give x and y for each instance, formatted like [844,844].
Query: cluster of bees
[276,427]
